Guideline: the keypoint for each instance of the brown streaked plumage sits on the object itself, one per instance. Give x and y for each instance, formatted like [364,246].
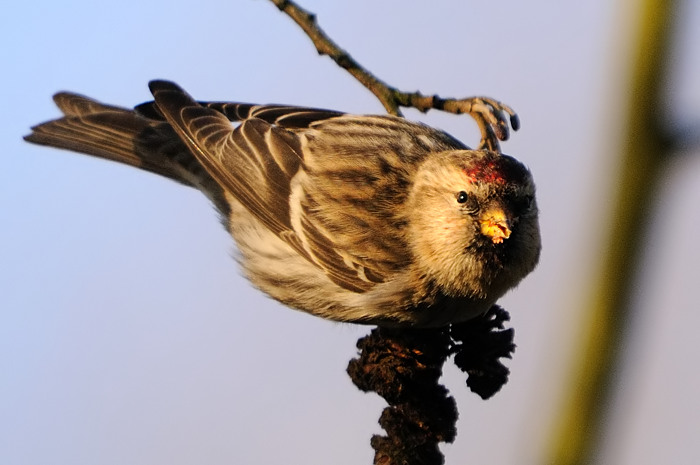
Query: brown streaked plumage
[367,219]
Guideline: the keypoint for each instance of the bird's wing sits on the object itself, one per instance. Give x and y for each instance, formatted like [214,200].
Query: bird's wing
[346,176]
[255,161]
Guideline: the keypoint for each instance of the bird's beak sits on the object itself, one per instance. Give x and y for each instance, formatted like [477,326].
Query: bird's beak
[495,224]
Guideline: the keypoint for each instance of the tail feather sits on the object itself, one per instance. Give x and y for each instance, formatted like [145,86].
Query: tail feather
[120,135]
[72,104]
[108,135]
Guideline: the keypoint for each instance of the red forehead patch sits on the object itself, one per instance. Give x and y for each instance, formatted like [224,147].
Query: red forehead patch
[501,170]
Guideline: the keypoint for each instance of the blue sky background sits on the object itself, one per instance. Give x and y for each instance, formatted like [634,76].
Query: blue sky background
[127,334]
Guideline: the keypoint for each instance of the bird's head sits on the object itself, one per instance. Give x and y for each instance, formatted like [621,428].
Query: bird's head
[473,222]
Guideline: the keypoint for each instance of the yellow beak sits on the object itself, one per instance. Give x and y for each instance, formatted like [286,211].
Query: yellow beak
[495,224]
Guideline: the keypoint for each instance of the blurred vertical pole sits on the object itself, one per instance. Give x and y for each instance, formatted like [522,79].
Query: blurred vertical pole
[643,153]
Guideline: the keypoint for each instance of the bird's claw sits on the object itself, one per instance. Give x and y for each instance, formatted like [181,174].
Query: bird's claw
[493,123]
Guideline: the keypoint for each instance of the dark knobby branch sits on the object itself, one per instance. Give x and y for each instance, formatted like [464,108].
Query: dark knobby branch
[479,345]
[489,114]
[404,367]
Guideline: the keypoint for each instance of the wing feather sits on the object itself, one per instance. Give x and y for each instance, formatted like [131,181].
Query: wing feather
[237,158]
[356,174]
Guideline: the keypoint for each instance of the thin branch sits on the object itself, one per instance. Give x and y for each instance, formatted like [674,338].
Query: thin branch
[489,114]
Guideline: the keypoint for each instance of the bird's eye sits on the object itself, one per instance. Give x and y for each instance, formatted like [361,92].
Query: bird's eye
[468,202]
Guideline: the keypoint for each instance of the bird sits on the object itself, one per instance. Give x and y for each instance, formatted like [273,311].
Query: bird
[368,219]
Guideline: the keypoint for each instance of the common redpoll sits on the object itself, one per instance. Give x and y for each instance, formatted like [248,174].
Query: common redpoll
[365,219]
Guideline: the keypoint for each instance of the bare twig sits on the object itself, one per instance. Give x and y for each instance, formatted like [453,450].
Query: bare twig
[489,114]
